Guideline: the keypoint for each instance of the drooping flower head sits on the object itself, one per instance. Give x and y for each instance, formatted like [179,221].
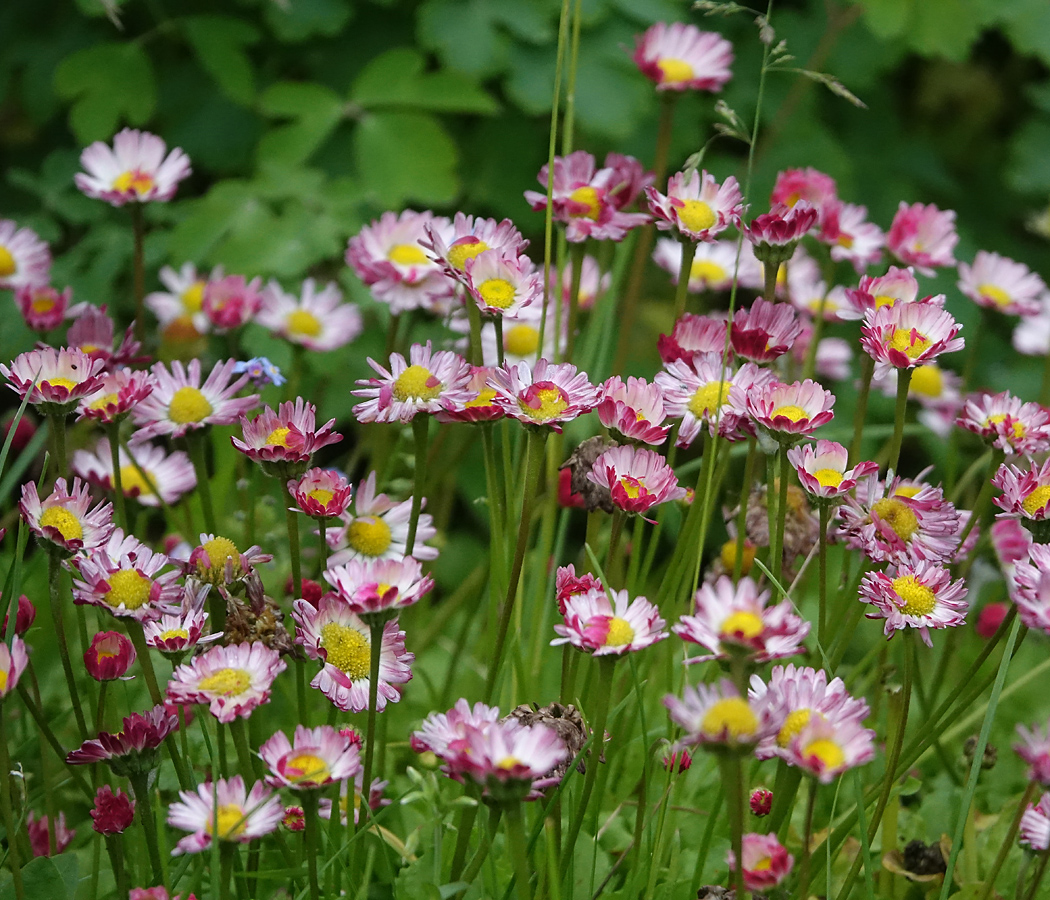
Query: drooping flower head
[609,623]
[1007,423]
[906,335]
[1035,826]
[63,520]
[923,236]
[370,586]
[918,595]
[681,57]
[544,394]
[133,749]
[283,442]
[163,476]
[137,169]
[316,757]
[765,331]
[54,380]
[317,319]
[822,471]
[24,258]
[321,493]
[765,861]
[788,411]
[696,207]
[996,282]
[422,384]
[233,679]
[226,811]
[635,410]
[637,479]
[716,716]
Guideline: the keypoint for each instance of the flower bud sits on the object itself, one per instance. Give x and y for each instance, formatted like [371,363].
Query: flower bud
[109,656]
[113,812]
[761,802]
[24,618]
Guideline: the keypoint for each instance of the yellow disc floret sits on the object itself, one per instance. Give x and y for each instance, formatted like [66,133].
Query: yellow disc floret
[899,516]
[1037,500]
[307,768]
[521,340]
[797,720]
[708,272]
[587,196]
[189,405]
[7,262]
[791,412]
[407,255]
[228,822]
[227,682]
[909,342]
[742,625]
[302,323]
[732,717]
[175,634]
[133,180]
[620,633]
[918,599]
[827,751]
[994,293]
[347,649]
[128,588]
[63,521]
[218,550]
[416,383]
[321,495]
[458,254]
[674,71]
[278,437]
[709,397]
[133,484]
[497,292]
[369,535]
[696,215]
[548,403]
[830,478]
[927,380]
[193,297]
[59,382]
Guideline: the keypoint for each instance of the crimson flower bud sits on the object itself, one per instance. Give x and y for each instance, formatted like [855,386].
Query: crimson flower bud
[109,656]
[294,819]
[24,618]
[761,802]
[678,763]
[113,812]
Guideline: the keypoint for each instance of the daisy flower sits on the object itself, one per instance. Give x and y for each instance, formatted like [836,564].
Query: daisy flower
[421,385]
[918,595]
[1031,588]
[379,585]
[113,812]
[133,749]
[906,335]
[180,403]
[845,227]
[501,284]
[737,619]
[996,282]
[109,656]
[231,301]
[39,829]
[117,394]
[788,411]
[321,493]
[455,245]
[874,292]
[1025,494]
[1031,336]
[707,394]
[24,258]
[681,57]
[481,407]
[341,640]
[169,475]
[445,734]
[567,585]
[226,811]
[1034,749]
[593,283]
[317,319]
[283,442]
[544,394]
[696,206]
[92,332]
[137,169]
[635,410]
[510,759]
[217,561]
[62,520]
[1035,826]
[765,331]
[180,631]
[184,298]
[809,184]
[378,529]
[715,715]
[316,757]
[822,469]
[232,679]
[923,236]
[714,263]
[13,662]
[54,380]
[889,522]
[693,335]
[609,623]
[43,308]
[765,862]
[826,749]
[1007,423]
[637,479]
[775,234]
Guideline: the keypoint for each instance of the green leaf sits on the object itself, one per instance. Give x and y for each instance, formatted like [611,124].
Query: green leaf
[315,111]
[298,20]
[219,43]
[1029,168]
[406,156]
[69,868]
[464,35]
[1028,28]
[107,82]
[396,79]
[42,880]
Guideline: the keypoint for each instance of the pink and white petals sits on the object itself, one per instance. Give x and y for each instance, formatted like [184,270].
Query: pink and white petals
[234,680]
[25,260]
[137,169]
[696,206]
[822,469]
[610,623]
[637,479]
[635,410]
[765,861]
[379,585]
[317,319]
[915,595]
[224,810]
[316,757]
[923,236]
[680,57]
[424,383]
[546,394]
[788,411]
[54,380]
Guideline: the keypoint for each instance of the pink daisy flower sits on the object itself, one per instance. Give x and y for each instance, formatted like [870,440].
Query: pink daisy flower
[1035,826]
[180,403]
[996,282]
[54,380]
[1034,749]
[845,227]
[482,406]
[637,479]
[445,734]
[24,258]
[906,335]
[609,623]
[509,758]
[716,715]
[809,184]
[822,469]
[765,331]
[379,585]
[788,411]
[93,331]
[217,561]
[184,298]
[109,656]
[681,57]
[765,861]
[233,680]
[696,206]
[112,813]
[502,285]
[923,236]
[731,619]
[316,757]
[117,394]
[334,634]
[453,246]
[133,749]
[317,319]
[224,810]
[283,442]
[775,234]
[1025,494]
[567,585]
[13,662]
[826,748]
[321,493]
[231,302]
[63,520]
[43,307]
[137,169]
[169,476]
[178,632]
[874,292]
[693,335]
[635,410]
[1007,423]
[713,267]
[1031,588]
[421,385]
[918,595]
[544,394]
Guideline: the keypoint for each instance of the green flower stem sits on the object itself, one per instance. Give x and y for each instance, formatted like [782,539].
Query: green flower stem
[1008,841]
[376,623]
[227,855]
[822,613]
[705,841]
[498,325]
[497,503]
[518,844]
[900,411]
[534,455]
[867,370]
[481,854]
[100,711]
[770,270]
[684,271]
[809,366]
[248,763]
[119,503]
[6,806]
[777,561]
[195,444]
[1044,858]
[982,506]
[745,496]
[576,255]
[144,803]
[291,518]
[807,839]
[420,428]
[464,828]
[138,265]
[58,435]
[785,787]
[613,558]
[115,850]
[607,665]
[637,538]
[49,737]
[55,595]
[731,766]
[474,317]
[310,834]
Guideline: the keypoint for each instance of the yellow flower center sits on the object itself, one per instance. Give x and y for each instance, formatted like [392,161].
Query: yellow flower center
[508,763]
[696,215]
[844,240]
[729,556]
[797,720]
[828,477]
[620,633]
[674,71]
[175,633]
[307,768]
[460,253]
[41,304]
[3,674]
[416,383]
[347,649]
[133,180]
[927,380]
[899,516]
[709,397]
[188,405]
[220,549]
[907,490]
[303,322]
[732,716]
[882,300]
[227,682]
[1017,429]
[910,343]
[588,196]
[552,403]
[369,535]
[321,495]
[132,483]
[228,822]
[59,382]
[632,487]
[63,521]
[827,751]
[128,588]
[497,292]
[7,262]
[193,297]
[104,401]
[521,340]
[407,255]
[792,412]
[706,271]
[994,293]
[484,398]
[1037,500]
[278,437]
[102,653]
[742,624]
[918,599]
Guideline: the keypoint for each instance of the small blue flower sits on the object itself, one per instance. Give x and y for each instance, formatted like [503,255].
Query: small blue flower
[261,371]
